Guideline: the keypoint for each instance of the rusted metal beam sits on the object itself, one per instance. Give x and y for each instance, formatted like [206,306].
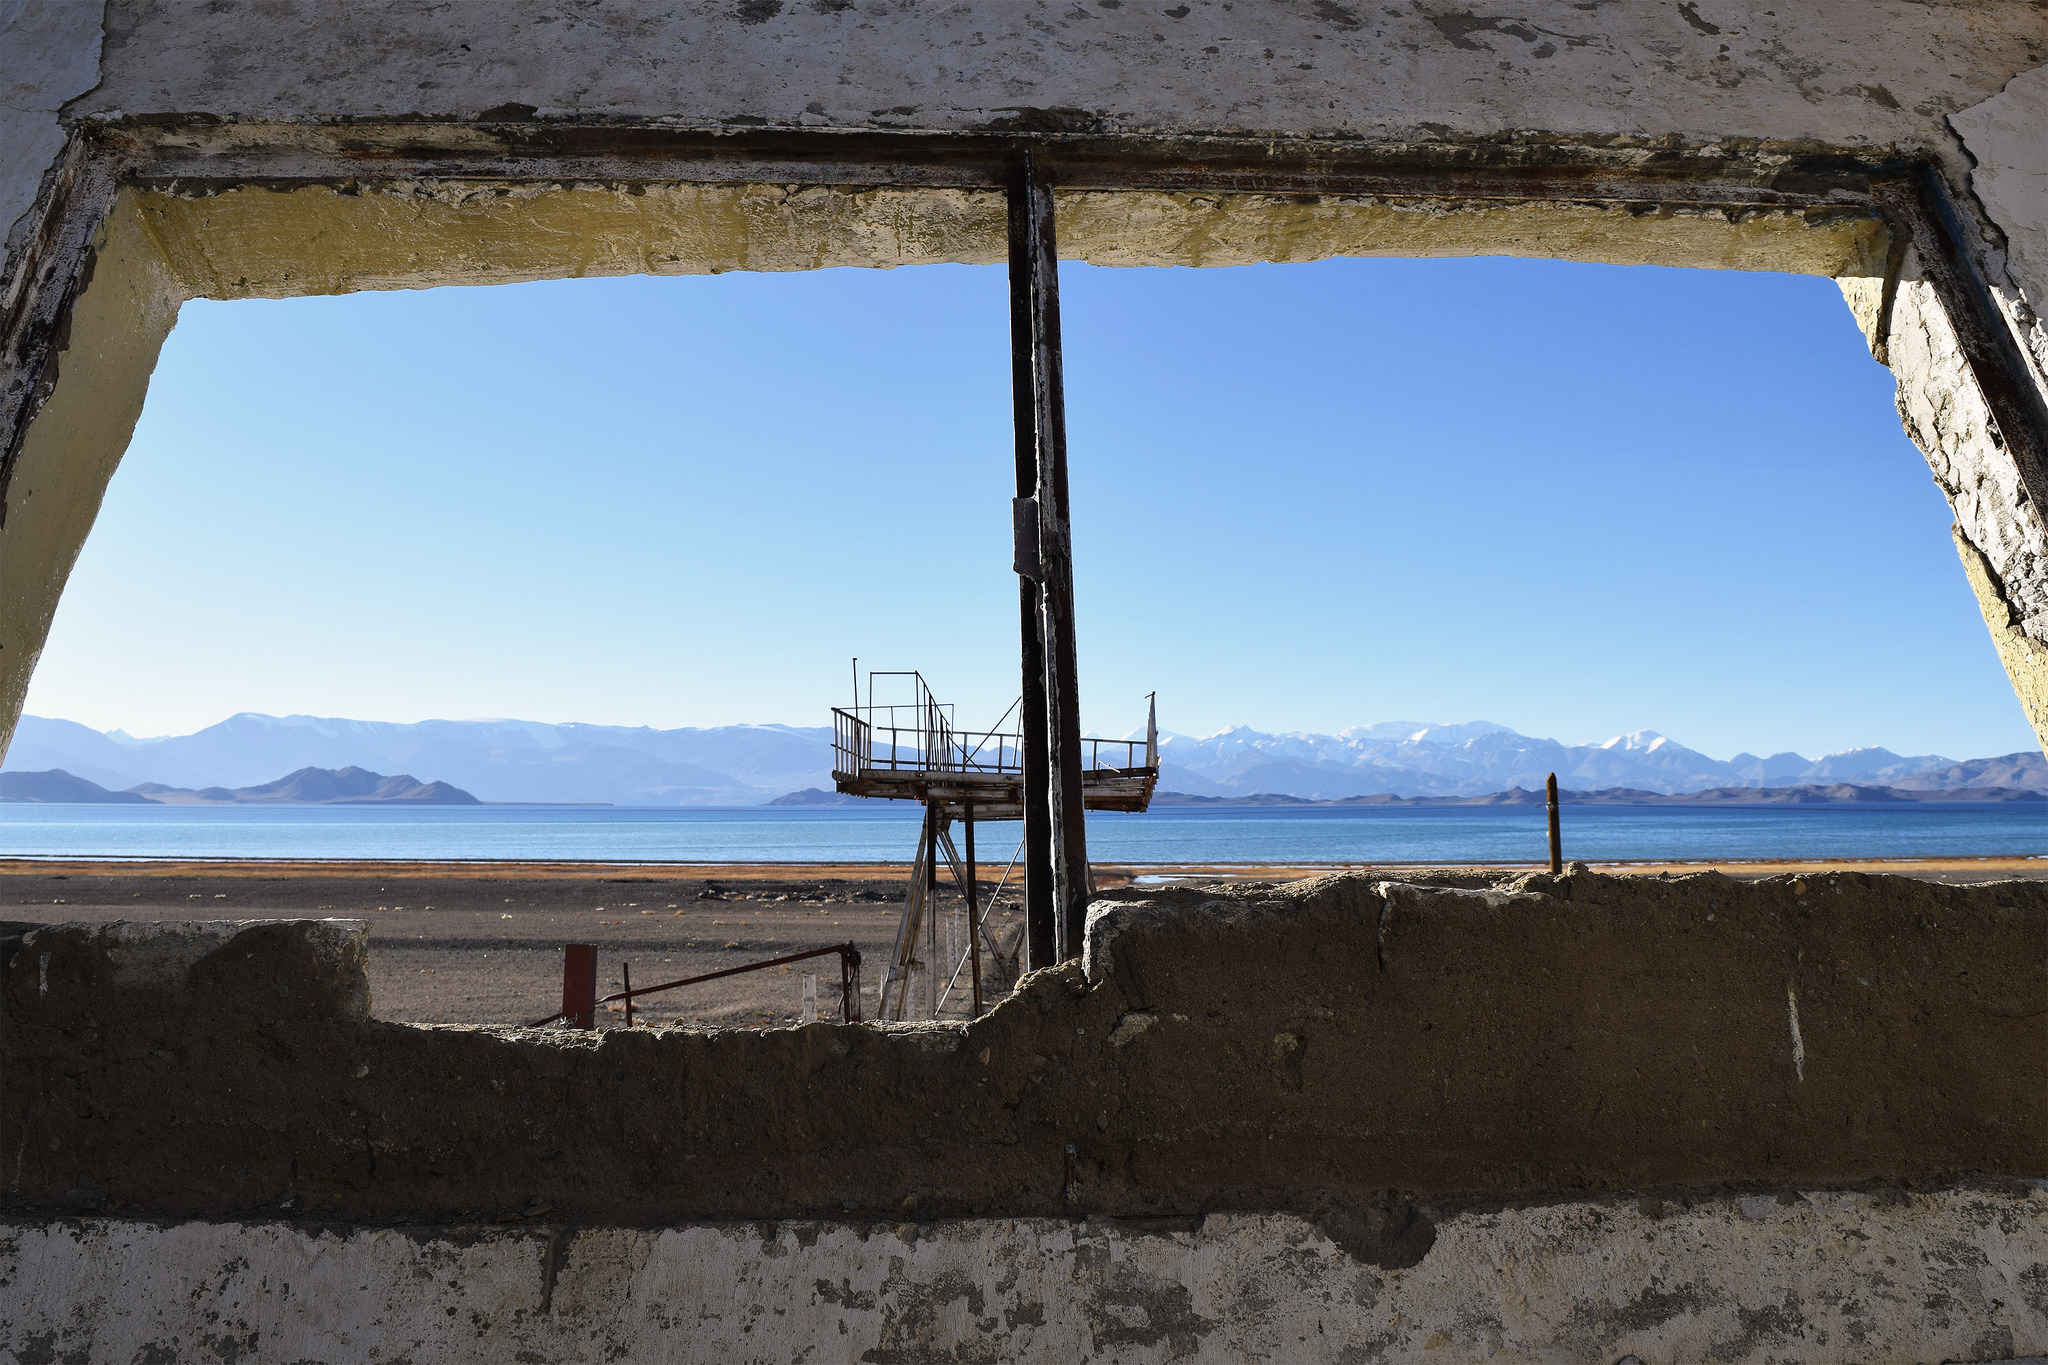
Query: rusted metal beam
[206,157]
[1055,870]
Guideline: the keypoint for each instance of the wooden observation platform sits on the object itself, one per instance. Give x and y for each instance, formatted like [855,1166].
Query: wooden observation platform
[913,750]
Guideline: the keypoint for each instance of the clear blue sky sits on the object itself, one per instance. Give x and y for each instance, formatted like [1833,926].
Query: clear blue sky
[1573,499]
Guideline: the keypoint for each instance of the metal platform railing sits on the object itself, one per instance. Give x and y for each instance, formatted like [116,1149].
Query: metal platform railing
[919,736]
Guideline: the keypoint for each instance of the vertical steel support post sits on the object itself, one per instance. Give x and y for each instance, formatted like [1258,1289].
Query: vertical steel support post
[1055,820]
[1556,841]
[1039,936]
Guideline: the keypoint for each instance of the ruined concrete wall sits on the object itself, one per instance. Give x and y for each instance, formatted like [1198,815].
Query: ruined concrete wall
[1687,1119]
[1310,1048]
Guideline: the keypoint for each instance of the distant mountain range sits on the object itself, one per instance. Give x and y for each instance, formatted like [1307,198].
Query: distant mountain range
[747,765]
[307,786]
[1838,793]
[498,760]
[1401,758]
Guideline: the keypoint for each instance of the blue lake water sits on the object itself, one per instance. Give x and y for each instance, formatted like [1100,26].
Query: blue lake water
[886,833]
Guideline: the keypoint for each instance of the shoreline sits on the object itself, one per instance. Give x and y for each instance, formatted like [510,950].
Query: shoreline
[893,871]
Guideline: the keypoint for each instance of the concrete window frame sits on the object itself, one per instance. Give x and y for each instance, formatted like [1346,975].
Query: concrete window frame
[137,218]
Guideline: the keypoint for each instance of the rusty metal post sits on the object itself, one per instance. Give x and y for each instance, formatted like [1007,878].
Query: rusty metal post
[1054,880]
[579,984]
[973,912]
[626,980]
[1040,939]
[1556,843]
[849,985]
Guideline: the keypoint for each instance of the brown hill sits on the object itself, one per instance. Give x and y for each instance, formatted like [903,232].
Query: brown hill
[319,787]
[57,787]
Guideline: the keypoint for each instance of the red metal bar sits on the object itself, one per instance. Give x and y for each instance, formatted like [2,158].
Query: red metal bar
[579,985]
[849,959]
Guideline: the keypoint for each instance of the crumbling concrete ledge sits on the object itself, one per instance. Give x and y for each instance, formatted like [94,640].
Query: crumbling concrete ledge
[1346,1118]
[1953,1274]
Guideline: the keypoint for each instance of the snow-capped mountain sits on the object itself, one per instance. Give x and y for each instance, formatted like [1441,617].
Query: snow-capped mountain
[1408,758]
[743,765]
[497,760]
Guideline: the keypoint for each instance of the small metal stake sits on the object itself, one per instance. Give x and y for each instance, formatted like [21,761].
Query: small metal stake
[626,974]
[1556,843]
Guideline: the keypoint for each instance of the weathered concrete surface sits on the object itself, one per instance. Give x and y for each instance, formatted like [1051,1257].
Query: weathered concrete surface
[1476,1118]
[59,475]
[2007,139]
[260,242]
[2024,657]
[1366,1054]
[1998,519]
[1948,1274]
[1833,72]
[52,56]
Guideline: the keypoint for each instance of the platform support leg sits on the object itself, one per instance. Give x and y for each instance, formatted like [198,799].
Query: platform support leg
[973,913]
[1055,820]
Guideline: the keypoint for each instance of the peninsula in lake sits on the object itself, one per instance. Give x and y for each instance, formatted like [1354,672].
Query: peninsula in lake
[306,787]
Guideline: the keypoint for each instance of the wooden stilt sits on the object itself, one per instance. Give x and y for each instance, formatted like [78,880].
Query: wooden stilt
[932,954]
[1057,852]
[903,959]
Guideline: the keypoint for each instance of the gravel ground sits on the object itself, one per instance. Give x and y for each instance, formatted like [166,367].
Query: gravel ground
[485,947]
[482,943]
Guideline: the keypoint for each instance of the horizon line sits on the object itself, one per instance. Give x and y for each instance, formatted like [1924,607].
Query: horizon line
[118,734]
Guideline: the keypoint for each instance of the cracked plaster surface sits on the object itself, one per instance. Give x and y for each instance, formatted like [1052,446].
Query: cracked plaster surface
[1954,1274]
[53,56]
[2007,138]
[1712,69]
